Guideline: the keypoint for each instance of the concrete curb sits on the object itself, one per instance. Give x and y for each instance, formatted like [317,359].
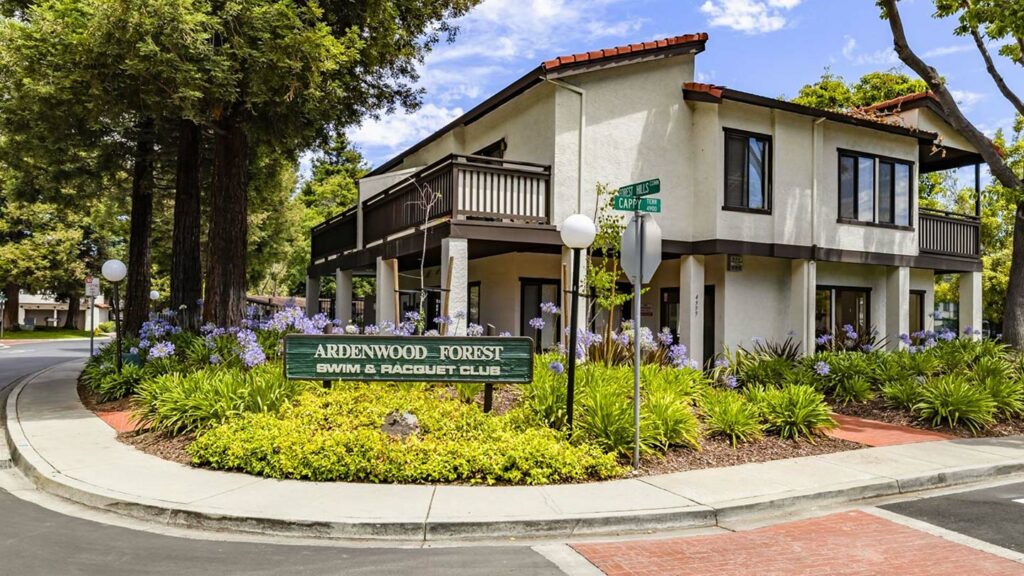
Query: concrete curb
[703,514]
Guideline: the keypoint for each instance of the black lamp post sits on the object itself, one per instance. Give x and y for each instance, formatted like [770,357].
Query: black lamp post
[578,232]
[115,271]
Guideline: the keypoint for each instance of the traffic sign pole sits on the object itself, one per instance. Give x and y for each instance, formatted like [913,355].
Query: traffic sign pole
[92,325]
[636,339]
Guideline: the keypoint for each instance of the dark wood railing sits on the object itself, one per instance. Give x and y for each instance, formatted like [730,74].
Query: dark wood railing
[465,187]
[949,234]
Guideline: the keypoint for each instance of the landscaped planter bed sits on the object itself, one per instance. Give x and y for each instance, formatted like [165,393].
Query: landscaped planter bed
[220,400]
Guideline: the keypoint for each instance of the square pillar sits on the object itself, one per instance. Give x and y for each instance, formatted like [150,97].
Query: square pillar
[897,305]
[343,296]
[970,301]
[803,283]
[387,283]
[581,301]
[691,305]
[312,295]
[455,279]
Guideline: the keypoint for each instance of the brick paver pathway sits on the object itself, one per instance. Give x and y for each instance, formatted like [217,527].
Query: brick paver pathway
[844,544]
[873,433]
[120,421]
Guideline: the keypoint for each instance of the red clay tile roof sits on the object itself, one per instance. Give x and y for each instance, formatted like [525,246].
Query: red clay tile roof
[713,90]
[623,50]
[900,101]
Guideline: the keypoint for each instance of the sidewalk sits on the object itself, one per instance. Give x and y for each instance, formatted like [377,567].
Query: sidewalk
[70,452]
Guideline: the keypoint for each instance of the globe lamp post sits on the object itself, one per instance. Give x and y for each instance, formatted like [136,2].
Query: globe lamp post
[114,272]
[578,232]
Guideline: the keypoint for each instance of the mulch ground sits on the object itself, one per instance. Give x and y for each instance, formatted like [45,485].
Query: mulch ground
[718,452]
[877,410]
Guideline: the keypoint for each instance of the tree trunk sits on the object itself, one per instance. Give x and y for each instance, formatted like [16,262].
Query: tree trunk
[74,307]
[11,306]
[1013,311]
[136,294]
[228,232]
[186,267]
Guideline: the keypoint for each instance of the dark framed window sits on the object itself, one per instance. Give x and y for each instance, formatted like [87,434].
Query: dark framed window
[493,150]
[748,173]
[838,306]
[473,303]
[916,311]
[874,189]
[670,310]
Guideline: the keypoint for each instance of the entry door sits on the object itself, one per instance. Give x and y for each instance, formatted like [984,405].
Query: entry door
[534,292]
[709,322]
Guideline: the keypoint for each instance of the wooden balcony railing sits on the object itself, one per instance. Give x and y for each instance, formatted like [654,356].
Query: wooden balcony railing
[949,234]
[465,187]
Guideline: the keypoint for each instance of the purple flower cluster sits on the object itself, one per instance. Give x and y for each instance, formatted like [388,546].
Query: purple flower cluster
[252,353]
[549,308]
[822,368]
[536,323]
[161,350]
[556,367]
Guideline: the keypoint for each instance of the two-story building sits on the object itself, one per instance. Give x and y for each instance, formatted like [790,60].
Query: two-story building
[776,219]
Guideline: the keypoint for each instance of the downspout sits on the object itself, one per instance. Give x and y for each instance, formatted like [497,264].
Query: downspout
[581,139]
[810,291]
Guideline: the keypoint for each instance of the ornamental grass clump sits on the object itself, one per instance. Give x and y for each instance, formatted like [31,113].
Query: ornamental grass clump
[335,435]
[729,414]
[953,400]
[183,403]
[796,411]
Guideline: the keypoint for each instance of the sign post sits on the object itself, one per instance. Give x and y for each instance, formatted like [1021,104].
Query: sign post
[3,306]
[92,290]
[640,258]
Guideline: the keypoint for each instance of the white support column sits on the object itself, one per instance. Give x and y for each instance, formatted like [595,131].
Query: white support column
[455,265]
[312,295]
[970,301]
[566,300]
[803,283]
[897,305]
[386,290]
[691,305]
[343,296]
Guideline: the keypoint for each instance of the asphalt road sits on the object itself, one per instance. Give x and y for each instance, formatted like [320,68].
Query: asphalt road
[993,515]
[35,541]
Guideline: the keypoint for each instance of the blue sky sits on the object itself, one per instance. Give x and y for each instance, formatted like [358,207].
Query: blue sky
[769,47]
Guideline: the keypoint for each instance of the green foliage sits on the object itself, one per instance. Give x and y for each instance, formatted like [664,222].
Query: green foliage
[729,414]
[547,396]
[902,393]
[468,391]
[106,327]
[104,380]
[335,435]
[181,403]
[855,389]
[605,408]
[668,420]
[796,411]
[832,92]
[1008,396]
[953,400]
[756,369]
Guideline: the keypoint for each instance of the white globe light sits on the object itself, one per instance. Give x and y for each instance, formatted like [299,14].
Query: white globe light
[578,231]
[154,295]
[114,270]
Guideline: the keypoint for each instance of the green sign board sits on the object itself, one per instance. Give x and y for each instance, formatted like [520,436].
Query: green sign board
[645,188]
[408,358]
[631,204]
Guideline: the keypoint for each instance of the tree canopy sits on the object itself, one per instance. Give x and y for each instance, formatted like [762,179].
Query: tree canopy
[833,92]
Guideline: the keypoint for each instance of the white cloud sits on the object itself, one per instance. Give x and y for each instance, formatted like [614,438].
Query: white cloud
[707,78]
[966,99]
[397,130]
[881,57]
[947,50]
[750,16]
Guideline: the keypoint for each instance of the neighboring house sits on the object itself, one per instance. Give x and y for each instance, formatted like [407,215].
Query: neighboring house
[39,310]
[776,218]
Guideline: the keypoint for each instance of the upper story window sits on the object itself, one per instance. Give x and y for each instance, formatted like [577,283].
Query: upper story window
[493,150]
[747,171]
[874,189]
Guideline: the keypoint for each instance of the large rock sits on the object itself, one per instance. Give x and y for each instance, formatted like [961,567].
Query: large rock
[400,424]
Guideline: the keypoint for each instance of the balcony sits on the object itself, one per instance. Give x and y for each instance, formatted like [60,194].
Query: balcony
[461,187]
[949,234]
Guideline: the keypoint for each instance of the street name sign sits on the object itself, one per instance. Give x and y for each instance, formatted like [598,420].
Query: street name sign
[645,188]
[408,358]
[631,204]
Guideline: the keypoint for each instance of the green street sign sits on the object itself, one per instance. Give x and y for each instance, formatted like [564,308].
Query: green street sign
[408,358]
[630,204]
[645,188]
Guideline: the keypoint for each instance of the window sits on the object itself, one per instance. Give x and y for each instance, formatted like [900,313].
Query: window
[670,310]
[747,171]
[837,307]
[874,189]
[473,303]
[494,150]
[916,311]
